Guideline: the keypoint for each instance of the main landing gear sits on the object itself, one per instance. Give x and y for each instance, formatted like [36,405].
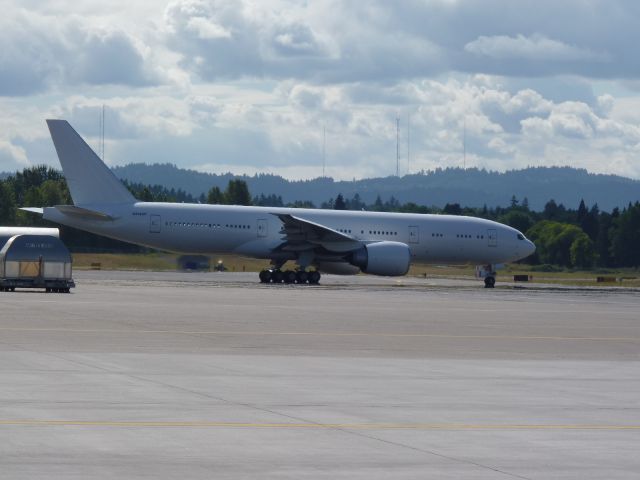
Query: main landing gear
[276,275]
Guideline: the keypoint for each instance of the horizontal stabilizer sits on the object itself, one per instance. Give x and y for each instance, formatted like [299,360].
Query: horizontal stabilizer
[39,210]
[83,212]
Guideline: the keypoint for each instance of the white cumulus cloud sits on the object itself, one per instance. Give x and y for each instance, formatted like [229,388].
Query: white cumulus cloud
[535,47]
[12,155]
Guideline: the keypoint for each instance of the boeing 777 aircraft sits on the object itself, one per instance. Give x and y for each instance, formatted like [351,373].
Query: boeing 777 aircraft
[332,241]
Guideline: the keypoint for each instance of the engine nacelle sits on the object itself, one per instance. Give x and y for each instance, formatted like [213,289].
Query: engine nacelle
[337,268]
[383,258]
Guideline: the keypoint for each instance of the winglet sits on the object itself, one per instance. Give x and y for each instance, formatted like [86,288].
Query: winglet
[90,181]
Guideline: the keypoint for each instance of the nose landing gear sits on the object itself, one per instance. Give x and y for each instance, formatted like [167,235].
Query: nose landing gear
[488,273]
[489,282]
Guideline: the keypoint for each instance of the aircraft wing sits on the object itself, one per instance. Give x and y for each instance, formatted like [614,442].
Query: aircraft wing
[301,234]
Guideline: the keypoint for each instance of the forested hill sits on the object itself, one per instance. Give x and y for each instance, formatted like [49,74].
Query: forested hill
[471,187]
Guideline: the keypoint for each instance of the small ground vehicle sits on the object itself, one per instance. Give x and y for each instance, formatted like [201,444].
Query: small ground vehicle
[35,261]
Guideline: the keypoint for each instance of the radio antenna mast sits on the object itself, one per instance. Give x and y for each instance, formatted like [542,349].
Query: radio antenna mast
[408,143]
[102,133]
[324,150]
[397,146]
[464,144]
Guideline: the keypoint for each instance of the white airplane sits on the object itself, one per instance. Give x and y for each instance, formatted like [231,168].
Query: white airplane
[332,241]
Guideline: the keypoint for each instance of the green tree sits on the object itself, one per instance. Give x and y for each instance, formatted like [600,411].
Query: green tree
[301,204]
[271,200]
[355,203]
[553,241]
[215,196]
[392,205]
[327,205]
[582,211]
[54,192]
[339,204]
[237,193]
[32,178]
[603,240]
[582,252]
[590,223]
[7,205]
[452,209]
[555,212]
[625,238]
[33,197]
[145,195]
[519,220]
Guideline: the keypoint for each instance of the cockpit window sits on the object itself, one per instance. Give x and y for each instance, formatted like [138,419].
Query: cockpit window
[520,236]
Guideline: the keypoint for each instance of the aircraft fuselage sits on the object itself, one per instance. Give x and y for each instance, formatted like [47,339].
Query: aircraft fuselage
[257,231]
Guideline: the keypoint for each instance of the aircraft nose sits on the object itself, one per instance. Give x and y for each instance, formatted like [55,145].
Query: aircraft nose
[531,247]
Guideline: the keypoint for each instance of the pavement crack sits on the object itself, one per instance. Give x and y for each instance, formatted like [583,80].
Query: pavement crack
[434,453]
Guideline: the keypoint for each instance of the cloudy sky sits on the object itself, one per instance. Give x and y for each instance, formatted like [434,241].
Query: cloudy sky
[249,86]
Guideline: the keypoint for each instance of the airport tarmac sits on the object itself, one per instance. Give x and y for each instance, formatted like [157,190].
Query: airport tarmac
[191,375]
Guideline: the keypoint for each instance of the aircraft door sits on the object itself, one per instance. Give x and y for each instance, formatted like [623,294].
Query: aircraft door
[492,235]
[414,234]
[263,229]
[154,223]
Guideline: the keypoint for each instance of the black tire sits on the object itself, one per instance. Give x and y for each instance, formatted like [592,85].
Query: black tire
[314,277]
[289,276]
[302,277]
[489,282]
[265,276]
[277,276]
[48,290]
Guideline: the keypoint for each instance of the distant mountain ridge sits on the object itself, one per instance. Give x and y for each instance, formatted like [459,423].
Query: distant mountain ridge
[471,187]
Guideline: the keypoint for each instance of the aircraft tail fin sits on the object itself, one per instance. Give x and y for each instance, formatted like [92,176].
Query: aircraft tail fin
[90,181]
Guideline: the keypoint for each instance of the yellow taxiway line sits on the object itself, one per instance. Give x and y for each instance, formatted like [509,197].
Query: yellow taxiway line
[345,426]
[320,334]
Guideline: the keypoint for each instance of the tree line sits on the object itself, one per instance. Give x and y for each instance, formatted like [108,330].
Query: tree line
[584,237]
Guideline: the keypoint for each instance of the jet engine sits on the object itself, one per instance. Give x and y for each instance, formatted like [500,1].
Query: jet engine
[383,258]
[337,268]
